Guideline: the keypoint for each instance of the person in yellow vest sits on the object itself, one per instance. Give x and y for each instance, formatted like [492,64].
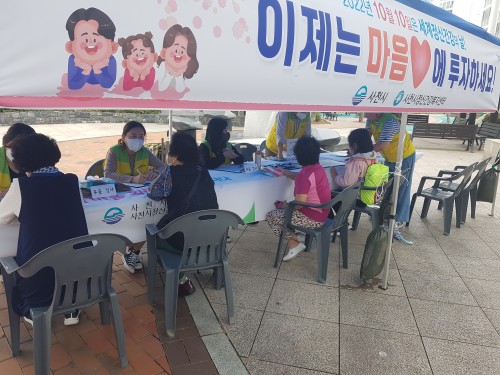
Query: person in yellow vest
[384,127]
[8,168]
[216,149]
[288,125]
[130,162]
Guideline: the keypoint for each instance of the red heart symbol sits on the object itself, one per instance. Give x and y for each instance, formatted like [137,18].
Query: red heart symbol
[420,60]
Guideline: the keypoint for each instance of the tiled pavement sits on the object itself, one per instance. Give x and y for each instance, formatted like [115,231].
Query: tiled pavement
[440,315]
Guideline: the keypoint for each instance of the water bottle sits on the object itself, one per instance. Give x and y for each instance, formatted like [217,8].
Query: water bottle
[258,159]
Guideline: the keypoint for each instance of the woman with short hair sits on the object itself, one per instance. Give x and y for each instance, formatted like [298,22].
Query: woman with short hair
[49,207]
[311,186]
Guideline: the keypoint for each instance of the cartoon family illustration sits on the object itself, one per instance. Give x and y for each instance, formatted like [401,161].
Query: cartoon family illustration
[92,45]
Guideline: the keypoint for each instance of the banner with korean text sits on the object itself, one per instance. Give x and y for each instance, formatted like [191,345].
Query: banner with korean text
[313,55]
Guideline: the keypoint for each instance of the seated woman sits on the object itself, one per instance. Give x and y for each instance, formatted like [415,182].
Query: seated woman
[216,150]
[311,186]
[361,157]
[129,161]
[192,190]
[8,169]
[48,205]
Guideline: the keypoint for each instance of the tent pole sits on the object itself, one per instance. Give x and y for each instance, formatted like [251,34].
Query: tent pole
[394,198]
[169,126]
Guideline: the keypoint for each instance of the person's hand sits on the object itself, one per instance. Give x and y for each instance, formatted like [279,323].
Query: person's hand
[151,175]
[87,68]
[333,172]
[97,67]
[280,154]
[229,154]
[139,179]
[283,171]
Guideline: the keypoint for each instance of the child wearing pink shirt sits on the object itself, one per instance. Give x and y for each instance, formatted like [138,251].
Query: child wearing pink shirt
[311,186]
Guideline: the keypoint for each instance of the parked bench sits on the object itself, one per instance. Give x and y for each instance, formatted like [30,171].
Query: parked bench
[417,119]
[487,130]
[447,131]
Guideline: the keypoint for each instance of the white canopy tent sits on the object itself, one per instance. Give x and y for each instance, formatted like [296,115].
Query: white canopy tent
[305,55]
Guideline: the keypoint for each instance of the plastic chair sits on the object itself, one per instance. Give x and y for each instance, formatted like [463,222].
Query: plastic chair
[205,235]
[246,149]
[383,203]
[470,190]
[262,146]
[346,200]
[97,169]
[446,197]
[82,267]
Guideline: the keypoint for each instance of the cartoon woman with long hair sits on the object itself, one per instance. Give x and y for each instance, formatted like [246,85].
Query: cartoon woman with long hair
[179,55]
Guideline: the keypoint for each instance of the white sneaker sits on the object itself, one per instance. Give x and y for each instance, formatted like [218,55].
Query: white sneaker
[129,261]
[138,261]
[293,252]
[72,318]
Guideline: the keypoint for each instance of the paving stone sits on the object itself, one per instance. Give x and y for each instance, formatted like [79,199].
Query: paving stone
[471,246]
[256,367]
[243,328]
[305,300]
[486,292]
[253,262]
[258,240]
[202,314]
[223,354]
[248,290]
[304,269]
[370,351]
[476,268]
[442,288]
[424,262]
[350,280]
[494,318]
[373,310]
[299,342]
[454,322]
[457,358]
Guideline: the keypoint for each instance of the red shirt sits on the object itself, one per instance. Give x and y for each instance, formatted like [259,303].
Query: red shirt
[312,180]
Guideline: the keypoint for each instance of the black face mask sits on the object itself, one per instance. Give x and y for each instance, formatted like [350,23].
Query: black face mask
[225,137]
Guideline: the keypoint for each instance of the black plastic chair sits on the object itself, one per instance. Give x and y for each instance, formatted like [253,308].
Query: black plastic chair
[446,197]
[205,235]
[246,149]
[470,190]
[82,268]
[97,169]
[344,203]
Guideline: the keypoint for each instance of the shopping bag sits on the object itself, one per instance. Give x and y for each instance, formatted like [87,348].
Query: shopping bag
[374,254]
[161,186]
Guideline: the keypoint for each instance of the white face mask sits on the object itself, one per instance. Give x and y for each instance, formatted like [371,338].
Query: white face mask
[134,144]
[8,153]
[301,115]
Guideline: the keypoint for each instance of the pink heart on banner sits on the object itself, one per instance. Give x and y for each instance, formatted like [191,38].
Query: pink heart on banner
[420,60]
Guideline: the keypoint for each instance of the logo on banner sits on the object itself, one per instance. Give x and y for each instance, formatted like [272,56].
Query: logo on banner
[399,98]
[360,95]
[113,215]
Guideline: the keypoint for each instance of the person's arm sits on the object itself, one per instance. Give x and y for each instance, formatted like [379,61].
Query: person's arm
[10,206]
[107,74]
[291,175]
[209,162]
[76,78]
[110,169]
[281,120]
[350,177]
[239,159]
[302,186]
[389,130]
[380,146]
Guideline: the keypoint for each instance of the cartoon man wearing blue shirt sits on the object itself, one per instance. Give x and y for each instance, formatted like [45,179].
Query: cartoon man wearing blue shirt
[91,45]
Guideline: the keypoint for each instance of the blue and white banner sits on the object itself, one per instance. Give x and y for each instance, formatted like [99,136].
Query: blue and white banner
[313,55]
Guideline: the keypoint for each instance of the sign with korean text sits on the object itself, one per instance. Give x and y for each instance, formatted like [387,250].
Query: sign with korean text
[101,191]
[313,55]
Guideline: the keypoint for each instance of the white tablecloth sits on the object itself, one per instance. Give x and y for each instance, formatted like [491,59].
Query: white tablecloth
[250,195]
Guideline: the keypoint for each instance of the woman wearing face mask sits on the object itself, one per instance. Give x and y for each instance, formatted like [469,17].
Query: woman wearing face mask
[8,169]
[129,161]
[216,150]
[288,125]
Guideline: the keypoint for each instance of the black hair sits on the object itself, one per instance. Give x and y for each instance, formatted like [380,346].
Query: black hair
[128,127]
[183,146]
[35,151]
[307,150]
[362,139]
[215,129]
[16,130]
[106,27]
